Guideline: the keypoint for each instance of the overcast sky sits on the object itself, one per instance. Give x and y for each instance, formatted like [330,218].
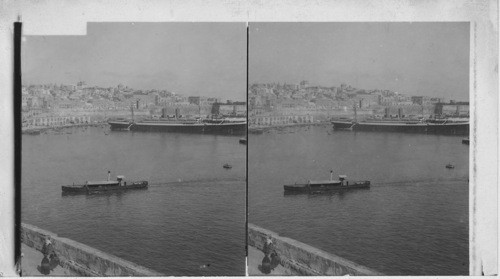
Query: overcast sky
[411,58]
[209,59]
[201,59]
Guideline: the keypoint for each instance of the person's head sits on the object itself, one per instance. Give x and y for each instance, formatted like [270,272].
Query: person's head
[269,241]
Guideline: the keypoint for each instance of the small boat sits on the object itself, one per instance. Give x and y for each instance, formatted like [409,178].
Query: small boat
[92,187]
[465,141]
[315,186]
[255,131]
[33,132]
[243,141]
[227,166]
[450,166]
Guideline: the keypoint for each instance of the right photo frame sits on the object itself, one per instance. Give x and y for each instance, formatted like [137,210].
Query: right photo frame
[358,148]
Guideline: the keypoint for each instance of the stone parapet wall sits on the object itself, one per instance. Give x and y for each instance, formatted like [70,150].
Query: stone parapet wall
[80,258]
[304,259]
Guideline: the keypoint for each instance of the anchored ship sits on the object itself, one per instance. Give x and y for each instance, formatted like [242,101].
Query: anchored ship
[178,123]
[214,125]
[453,126]
[442,126]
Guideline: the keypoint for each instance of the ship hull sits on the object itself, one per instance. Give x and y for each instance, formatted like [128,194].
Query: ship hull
[410,127]
[120,125]
[229,128]
[83,189]
[318,188]
[238,128]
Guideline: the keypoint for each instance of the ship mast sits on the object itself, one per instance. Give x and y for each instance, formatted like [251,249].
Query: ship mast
[355,113]
[132,111]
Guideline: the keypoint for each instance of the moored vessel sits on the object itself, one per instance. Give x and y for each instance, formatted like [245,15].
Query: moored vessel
[434,126]
[209,126]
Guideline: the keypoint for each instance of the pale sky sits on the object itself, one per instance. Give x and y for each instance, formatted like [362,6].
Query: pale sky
[430,59]
[200,59]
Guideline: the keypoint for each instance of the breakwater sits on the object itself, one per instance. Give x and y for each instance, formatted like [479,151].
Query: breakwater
[253,129]
[304,259]
[80,258]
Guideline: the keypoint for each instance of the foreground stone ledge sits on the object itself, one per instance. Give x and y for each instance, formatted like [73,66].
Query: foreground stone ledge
[305,259]
[80,258]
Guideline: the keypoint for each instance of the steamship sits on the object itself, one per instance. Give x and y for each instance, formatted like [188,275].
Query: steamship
[318,186]
[450,126]
[182,124]
[430,126]
[92,187]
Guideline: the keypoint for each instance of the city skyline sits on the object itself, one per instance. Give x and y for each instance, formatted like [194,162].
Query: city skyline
[417,59]
[199,59]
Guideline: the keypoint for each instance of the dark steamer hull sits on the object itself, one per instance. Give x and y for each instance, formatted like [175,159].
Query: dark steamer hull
[82,189]
[343,125]
[425,128]
[230,128]
[120,125]
[306,188]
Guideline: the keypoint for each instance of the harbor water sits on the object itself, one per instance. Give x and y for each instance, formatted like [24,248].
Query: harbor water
[412,221]
[190,221]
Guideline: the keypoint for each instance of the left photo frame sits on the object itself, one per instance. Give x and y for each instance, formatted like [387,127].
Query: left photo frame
[132,151]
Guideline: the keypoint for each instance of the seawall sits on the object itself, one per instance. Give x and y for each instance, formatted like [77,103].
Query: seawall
[304,259]
[80,258]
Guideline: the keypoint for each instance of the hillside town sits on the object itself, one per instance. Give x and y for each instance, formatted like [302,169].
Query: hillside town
[275,104]
[59,105]
[269,104]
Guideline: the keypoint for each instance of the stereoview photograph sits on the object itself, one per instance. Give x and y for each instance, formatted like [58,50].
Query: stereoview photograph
[358,149]
[133,151]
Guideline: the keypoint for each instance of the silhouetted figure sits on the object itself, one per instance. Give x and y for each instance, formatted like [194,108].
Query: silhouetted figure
[268,249]
[45,266]
[266,265]
[275,260]
[50,259]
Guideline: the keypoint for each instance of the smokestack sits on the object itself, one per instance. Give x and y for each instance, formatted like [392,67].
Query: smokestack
[109,175]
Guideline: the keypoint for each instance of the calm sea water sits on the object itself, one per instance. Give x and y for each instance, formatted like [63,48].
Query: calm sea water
[193,214]
[413,220]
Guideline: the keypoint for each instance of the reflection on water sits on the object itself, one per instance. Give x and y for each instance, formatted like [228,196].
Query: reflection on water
[412,221]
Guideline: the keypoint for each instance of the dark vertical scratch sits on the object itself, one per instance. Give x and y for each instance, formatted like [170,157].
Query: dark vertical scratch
[17,141]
